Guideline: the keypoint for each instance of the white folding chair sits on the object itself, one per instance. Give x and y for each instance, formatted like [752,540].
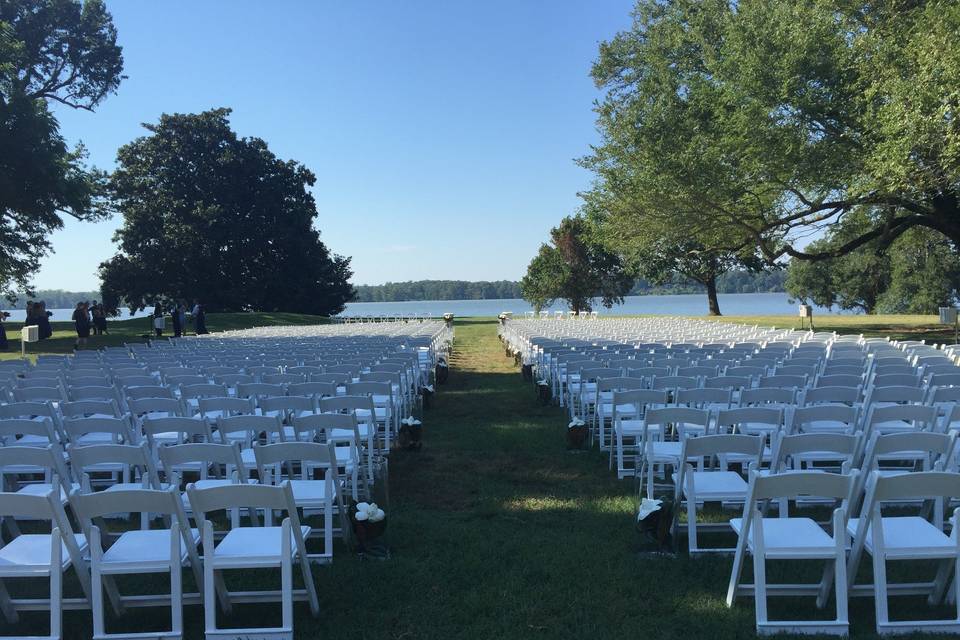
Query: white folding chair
[793,538]
[253,547]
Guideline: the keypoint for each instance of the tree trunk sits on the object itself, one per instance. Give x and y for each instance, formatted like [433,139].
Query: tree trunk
[714,303]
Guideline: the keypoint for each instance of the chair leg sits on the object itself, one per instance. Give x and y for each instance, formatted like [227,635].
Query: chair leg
[286,576]
[96,582]
[209,601]
[880,589]
[759,574]
[56,586]
[176,584]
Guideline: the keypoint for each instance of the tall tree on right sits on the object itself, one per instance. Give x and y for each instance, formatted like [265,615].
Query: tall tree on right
[767,121]
[576,268]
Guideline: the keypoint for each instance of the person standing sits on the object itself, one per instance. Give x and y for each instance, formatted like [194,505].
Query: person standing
[99,319]
[81,321]
[200,319]
[182,314]
[4,344]
[175,318]
[158,320]
[43,319]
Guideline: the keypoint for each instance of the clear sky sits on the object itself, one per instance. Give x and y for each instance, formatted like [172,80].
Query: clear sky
[443,134]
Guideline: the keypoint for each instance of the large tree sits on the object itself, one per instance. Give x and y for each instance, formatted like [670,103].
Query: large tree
[917,273]
[776,118]
[577,268]
[61,51]
[211,216]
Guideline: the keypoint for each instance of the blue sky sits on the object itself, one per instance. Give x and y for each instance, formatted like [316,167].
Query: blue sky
[442,133]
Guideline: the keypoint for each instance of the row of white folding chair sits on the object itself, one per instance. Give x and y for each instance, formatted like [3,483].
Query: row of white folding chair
[158,551]
[896,537]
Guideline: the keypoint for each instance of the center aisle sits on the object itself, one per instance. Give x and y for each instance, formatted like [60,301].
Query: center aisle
[498,531]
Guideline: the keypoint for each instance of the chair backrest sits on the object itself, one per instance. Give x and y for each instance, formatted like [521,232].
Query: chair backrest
[153,391]
[347,403]
[283,405]
[320,389]
[839,380]
[896,380]
[226,406]
[318,455]
[252,496]
[678,416]
[284,378]
[133,457]
[727,382]
[153,406]
[119,428]
[89,408]
[913,418]
[675,382]
[184,429]
[824,416]
[14,460]
[791,447]
[899,395]
[259,389]
[39,394]
[800,484]
[751,419]
[932,449]
[768,395]
[252,426]
[704,397]
[785,381]
[710,446]
[13,428]
[832,395]
[138,380]
[206,453]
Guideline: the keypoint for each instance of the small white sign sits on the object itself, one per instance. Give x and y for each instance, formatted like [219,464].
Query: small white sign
[948,315]
[806,311]
[30,333]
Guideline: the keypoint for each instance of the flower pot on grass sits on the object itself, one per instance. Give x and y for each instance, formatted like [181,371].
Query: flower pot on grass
[369,523]
[655,526]
[577,433]
[411,431]
[544,394]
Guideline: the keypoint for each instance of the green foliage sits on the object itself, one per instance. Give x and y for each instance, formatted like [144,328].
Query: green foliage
[918,273]
[211,216]
[750,123]
[438,290]
[50,50]
[576,268]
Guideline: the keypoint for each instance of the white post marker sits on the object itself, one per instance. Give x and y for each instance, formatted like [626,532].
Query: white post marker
[948,315]
[28,334]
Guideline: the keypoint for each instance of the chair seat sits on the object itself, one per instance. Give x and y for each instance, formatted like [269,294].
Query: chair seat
[364,429]
[310,493]
[909,537]
[634,428]
[146,551]
[44,488]
[717,485]
[29,555]
[790,538]
[252,547]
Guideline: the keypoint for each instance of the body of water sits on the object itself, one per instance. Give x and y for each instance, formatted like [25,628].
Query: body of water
[731,304]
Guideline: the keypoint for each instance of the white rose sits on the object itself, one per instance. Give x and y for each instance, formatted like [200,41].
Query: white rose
[363,506]
[361,516]
[378,516]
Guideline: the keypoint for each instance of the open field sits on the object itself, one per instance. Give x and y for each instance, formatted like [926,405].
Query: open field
[498,531]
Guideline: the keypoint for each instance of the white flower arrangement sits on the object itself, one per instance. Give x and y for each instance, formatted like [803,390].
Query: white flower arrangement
[429,388]
[369,512]
[648,506]
[411,422]
[576,422]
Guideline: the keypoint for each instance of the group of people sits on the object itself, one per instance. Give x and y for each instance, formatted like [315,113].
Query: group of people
[86,317]
[178,316]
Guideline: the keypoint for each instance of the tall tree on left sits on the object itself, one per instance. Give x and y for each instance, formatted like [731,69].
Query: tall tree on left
[51,51]
[211,216]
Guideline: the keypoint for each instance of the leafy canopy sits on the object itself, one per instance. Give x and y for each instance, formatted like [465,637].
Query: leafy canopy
[575,267]
[50,51]
[754,123]
[211,216]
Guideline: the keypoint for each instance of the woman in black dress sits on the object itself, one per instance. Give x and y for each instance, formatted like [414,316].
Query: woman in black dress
[43,319]
[81,320]
[4,344]
[201,320]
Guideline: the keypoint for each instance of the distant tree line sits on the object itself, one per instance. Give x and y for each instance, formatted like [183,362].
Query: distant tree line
[55,298]
[438,290]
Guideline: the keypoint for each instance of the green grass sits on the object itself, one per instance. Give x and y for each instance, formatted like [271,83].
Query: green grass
[129,331]
[498,531]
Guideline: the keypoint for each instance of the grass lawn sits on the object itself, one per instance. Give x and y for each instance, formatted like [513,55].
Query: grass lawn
[498,532]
